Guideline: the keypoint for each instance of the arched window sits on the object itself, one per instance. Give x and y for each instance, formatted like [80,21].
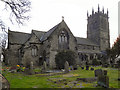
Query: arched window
[63,40]
[34,51]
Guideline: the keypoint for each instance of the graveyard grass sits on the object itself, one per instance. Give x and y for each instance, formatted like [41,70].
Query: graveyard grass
[18,80]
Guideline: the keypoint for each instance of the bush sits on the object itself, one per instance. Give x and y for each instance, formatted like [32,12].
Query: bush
[95,62]
[64,56]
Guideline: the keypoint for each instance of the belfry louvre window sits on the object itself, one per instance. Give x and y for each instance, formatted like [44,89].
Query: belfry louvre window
[34,51]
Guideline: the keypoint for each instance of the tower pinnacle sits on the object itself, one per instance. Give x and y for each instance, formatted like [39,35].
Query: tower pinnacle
[92,11]
[103,10]
[98,8]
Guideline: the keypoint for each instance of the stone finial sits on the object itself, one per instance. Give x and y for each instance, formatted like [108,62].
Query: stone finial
[98,8]
[87,14]
[92,11]
[103,10]
[107,12]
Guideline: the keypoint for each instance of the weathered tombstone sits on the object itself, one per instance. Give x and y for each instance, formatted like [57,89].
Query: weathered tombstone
[98,72]
[30,69]
[66,67]
[87,67]
[103,81]
[105,72]
[92,69]
[44,67]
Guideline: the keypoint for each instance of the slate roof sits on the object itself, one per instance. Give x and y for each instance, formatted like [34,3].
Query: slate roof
[47,34]
[85,41]
[39,34]
[21,38]
[18,37]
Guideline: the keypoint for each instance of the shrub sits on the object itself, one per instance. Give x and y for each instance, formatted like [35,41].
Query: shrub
[95,62]
[64,56]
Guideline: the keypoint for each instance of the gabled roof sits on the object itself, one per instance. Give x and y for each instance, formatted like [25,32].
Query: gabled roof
[18,37]
[47,34]
[85,41]
[39,34]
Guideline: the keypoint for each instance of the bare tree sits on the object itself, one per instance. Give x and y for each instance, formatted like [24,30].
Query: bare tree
[18,13]
[19,9]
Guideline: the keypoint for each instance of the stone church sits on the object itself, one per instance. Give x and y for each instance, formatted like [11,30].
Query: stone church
[39,46]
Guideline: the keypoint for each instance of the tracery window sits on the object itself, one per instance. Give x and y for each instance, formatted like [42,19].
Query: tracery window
[34,51]
[63,40]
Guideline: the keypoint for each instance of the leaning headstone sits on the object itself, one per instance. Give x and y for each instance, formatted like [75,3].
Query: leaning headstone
[44,67]
[31,65]
[98,72]
[103,81]
[29,70]
[66,67]
[87,67]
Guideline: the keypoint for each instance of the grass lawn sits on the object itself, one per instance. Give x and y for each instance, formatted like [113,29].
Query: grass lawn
[18,80]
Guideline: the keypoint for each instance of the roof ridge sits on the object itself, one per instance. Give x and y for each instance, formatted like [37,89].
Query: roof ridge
[49,32]
[18,32]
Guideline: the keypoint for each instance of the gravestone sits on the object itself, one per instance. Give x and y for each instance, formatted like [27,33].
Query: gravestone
[29,70]
[44,67]
[66,67]
[98,72]
[87,67]
[103,81]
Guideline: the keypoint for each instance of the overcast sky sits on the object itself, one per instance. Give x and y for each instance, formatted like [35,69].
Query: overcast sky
[47,13]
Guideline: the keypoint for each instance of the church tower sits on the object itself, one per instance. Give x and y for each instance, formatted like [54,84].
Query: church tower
[98,28]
